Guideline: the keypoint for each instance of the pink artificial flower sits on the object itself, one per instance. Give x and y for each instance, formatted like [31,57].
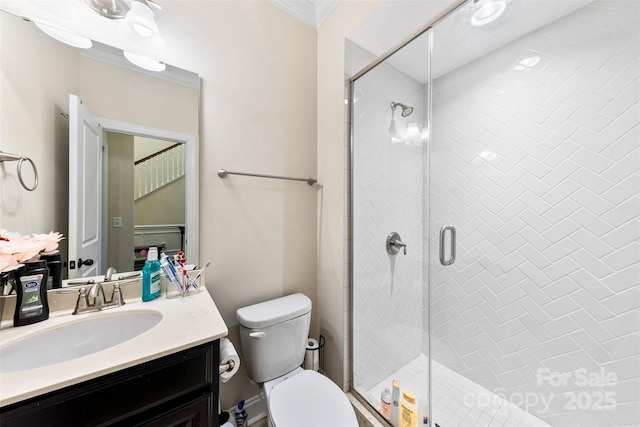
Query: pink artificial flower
[49,241]
[16,249]
[8,263]
[25,248]
[7,235]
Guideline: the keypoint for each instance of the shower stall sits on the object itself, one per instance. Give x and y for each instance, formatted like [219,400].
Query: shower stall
[495,216]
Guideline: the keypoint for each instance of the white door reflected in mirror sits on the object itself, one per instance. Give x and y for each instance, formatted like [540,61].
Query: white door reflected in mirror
[85,192]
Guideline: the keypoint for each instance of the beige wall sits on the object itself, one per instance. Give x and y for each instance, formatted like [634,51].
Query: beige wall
[258,114]
[121,94]
[332,160]
[163,206]
[120,196]
[32,99]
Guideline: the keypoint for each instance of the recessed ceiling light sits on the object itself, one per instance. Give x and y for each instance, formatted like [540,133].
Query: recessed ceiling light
[488,13]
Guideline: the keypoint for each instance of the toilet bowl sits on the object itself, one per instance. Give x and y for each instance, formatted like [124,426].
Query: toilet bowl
[273,336]
[307,398]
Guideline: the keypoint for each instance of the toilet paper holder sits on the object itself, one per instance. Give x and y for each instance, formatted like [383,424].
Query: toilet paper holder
[226,367]
[314,355]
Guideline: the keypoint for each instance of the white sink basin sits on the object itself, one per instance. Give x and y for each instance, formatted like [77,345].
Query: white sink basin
[76,339]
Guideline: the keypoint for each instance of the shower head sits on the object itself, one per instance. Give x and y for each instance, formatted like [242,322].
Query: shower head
[406,110]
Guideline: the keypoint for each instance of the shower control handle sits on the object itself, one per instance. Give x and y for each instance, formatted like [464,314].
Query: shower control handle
[394,243]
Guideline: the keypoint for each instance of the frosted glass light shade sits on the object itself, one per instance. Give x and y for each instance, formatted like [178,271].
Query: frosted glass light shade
[65,36]
[140,27]
[145,62]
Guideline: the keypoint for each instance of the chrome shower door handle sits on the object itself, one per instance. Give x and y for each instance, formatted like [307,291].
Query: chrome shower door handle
[452,254]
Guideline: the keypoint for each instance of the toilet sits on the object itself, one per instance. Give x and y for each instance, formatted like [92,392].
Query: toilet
[273,336]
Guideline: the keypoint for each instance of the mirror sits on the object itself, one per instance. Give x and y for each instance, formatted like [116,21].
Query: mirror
[38,75]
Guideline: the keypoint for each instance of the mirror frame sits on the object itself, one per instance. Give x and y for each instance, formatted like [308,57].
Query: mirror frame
[191,173]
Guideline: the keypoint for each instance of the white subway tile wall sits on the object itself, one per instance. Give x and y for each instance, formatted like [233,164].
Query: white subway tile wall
[387,197]
[539,170]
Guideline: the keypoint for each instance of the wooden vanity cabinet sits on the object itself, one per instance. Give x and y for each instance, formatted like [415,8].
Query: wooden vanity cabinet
[179,390]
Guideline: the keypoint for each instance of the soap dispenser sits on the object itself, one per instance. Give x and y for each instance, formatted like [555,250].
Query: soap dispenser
[31,289]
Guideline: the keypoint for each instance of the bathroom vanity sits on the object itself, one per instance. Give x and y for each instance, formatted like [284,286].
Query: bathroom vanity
[166,375]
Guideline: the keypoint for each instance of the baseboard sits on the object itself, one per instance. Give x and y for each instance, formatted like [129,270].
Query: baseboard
[256,408]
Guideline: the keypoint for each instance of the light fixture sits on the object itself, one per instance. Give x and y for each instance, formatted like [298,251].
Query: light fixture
[140,26]
[145,62]
[64,36]
[488,12]
[112,9]
[413,134]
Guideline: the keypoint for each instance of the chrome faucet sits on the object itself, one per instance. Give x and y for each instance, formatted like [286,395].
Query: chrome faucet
[109,273]
[97,298]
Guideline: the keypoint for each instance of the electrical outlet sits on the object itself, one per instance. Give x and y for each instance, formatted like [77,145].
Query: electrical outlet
[116,222]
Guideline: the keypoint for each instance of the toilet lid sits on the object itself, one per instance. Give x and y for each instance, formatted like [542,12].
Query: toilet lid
[310,399]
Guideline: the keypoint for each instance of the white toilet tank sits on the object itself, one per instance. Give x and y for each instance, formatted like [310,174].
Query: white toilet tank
[273,336]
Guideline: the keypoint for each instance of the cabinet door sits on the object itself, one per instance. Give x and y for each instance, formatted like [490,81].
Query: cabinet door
[129,397]
[195,414]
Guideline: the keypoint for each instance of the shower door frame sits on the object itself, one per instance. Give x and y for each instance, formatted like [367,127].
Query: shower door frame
[352,80]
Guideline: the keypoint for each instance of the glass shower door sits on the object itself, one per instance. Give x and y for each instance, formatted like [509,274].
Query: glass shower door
[389,297]
[534,163]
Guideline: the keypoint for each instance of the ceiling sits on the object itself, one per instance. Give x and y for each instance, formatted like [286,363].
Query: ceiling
[456,42]
[387,25]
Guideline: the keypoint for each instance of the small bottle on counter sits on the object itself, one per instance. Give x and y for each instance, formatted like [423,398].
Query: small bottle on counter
[31,288]
[408,410]
[151,276]
[395,404]
[385,404]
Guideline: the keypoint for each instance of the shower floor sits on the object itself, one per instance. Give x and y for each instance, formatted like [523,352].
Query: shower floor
[449,390]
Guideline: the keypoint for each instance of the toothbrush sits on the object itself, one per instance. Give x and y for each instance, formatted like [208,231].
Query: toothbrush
[193,282]
[186,281]
[172,269]
[167,273]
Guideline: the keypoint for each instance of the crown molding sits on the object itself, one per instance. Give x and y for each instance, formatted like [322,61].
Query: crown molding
[311,12]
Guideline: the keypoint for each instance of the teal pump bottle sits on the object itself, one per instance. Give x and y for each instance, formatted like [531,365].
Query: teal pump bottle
[151,276]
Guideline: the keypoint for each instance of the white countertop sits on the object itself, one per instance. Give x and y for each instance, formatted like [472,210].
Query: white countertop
[186,322]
